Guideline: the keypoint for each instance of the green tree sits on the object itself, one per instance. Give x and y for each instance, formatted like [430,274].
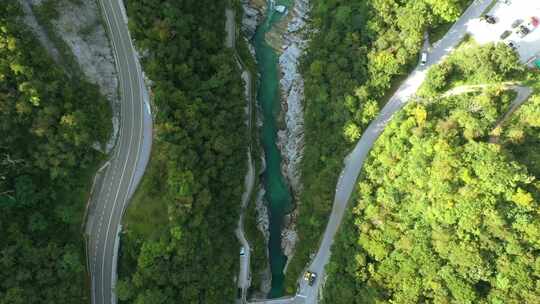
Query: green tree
[46,161]
[443,215]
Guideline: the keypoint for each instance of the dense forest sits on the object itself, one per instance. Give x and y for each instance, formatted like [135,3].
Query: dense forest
[446,209]
[178,244]
[49,122]
[357,53]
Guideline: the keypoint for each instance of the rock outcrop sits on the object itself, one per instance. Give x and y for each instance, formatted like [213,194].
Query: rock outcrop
[80,27]
[253,16]
[263,222]
[30,20]
[287,38]
[291,138]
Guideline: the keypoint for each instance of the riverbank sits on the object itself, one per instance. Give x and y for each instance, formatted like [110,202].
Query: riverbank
[291,135]
[285,39]
[278,194]
[257,213]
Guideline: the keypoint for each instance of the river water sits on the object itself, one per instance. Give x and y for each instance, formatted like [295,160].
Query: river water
[278,194]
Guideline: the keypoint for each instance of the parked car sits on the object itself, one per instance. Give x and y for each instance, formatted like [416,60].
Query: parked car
[489,19]
[523,31]
[517,23]
[505,34]
[423,58]
[511,44]
[242,250]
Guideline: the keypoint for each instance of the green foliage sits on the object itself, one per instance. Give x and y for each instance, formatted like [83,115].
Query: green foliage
[48,123]
[522,134]
[360,48]
[445,215]
[45,13]
[448,10]
[471,65]
[189,255]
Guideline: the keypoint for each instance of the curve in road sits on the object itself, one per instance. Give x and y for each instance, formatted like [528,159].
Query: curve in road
[127,163]
[244,278]
[354,161]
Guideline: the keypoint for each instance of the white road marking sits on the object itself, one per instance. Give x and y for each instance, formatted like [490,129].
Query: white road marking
[124,122]
[105,245]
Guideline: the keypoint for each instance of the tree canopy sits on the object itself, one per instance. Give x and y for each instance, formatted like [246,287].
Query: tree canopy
[444,214]
[357,51]
[195,178]
[49,122]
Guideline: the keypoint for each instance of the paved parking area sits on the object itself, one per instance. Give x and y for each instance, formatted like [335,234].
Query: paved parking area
[506,14]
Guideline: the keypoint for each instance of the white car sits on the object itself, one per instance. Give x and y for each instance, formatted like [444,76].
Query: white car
[423,58]
[242,250]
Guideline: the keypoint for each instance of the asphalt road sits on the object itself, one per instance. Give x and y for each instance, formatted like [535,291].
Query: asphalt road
[129,157]
[244,276]
[354,161]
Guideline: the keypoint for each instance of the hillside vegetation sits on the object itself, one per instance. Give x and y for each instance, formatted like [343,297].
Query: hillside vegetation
[444,213]
[48,124]
[359,51]
[178,244]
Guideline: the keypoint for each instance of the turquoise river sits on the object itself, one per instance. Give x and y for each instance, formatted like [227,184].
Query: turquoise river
[277,195]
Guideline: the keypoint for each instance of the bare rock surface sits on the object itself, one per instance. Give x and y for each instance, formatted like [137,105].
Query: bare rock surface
[263,220]
[287,37]
[263,223]
[81,28]
[253,15]
[30,20]
[291,138]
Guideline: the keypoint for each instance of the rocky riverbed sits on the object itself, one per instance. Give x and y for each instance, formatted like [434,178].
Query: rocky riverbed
[291,138]
[288,39]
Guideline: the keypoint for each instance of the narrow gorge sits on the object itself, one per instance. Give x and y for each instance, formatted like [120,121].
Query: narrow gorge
[275,32]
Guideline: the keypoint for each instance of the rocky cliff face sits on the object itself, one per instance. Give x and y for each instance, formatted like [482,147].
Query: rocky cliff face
[79,25]
[291,138]
[263,222]
[253,15]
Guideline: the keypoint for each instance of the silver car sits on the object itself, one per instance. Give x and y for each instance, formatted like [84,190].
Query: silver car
[423,58]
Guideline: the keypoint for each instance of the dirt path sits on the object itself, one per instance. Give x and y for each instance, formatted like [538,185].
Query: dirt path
[523,94]
[475,87]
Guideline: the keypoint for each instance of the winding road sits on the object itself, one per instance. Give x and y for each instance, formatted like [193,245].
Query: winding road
[354,161]
[244,277]
[124,170]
